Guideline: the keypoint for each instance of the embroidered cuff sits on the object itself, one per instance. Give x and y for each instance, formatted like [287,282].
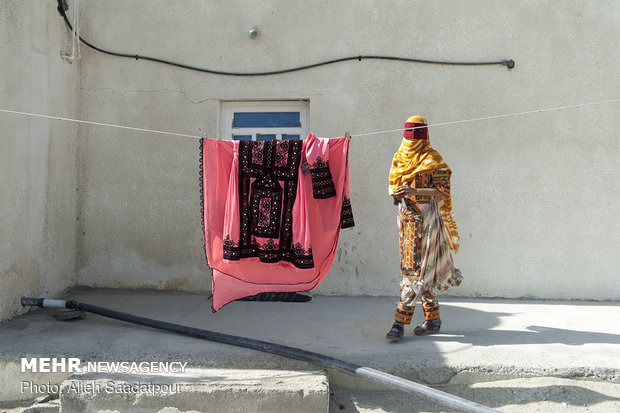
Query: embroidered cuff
[322,182]
[346,214]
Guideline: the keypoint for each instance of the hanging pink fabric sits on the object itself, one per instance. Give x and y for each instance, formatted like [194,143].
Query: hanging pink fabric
[272,213]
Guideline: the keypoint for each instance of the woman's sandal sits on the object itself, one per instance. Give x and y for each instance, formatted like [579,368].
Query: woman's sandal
[396,333]
[428,327]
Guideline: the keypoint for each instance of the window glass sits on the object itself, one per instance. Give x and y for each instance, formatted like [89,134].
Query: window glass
[266,120]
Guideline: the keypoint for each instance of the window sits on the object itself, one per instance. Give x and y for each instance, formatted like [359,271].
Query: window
[267,120]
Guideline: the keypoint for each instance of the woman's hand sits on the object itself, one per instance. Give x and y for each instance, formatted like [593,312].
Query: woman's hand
[404,191]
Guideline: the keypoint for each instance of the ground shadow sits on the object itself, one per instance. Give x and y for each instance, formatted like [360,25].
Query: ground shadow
[478,328]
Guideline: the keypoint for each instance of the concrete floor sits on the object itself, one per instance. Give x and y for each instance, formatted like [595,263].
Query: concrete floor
[482,341]
[537,394]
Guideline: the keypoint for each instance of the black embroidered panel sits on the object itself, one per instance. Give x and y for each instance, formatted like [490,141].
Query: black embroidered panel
[322,182]
[266,197]
[281,157]
[346,214]
[269,252]
[266,206]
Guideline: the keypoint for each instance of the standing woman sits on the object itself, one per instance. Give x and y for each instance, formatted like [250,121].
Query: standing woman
[427,232]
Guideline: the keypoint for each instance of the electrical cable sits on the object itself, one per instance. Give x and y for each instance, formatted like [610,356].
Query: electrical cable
[61,9]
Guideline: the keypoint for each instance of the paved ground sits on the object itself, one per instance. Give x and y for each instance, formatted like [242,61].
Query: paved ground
[482,341]
[538,394]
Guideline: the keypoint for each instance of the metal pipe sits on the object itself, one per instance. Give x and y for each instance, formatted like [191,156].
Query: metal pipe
[399,383]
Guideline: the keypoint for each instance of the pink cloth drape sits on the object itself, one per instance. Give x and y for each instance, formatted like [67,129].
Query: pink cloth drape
[321,208]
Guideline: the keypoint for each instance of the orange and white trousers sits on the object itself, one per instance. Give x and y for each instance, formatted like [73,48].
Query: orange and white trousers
[425,260]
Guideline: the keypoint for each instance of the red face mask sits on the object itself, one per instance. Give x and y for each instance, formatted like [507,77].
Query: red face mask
[418,133]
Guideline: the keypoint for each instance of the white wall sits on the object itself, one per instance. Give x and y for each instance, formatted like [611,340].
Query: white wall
[535,196]
[38,181]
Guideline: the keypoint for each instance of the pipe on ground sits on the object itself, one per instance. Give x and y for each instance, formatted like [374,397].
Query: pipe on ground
[396,382]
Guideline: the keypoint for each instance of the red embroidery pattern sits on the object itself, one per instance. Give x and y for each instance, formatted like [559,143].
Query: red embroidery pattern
[282,154]
[266,204]
[270,245]
[266,198]
[264,212]
[257,152]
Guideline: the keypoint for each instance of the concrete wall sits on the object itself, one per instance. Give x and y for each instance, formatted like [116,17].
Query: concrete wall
[38,182]
[535,196]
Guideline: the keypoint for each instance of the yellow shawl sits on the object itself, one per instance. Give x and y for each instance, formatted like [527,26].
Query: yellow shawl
[416,156]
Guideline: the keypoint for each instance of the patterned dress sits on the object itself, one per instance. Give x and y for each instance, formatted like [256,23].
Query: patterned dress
[426,261]
[272,213]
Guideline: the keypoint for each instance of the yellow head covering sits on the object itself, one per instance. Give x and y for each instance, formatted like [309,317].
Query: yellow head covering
[416,156]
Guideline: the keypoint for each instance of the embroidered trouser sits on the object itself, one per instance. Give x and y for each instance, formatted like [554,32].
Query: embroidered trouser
[406,305]
[413,234]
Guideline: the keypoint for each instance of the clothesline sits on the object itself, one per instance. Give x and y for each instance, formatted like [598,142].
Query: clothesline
[493,117]
[38,115]
[15,112]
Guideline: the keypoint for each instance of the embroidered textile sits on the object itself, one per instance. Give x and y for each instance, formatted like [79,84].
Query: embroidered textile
[318,158]
[267,189]
[411,220]
[269,227]
[426,261]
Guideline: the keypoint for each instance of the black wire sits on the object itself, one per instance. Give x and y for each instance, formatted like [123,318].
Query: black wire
[266,346]
[61,9]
